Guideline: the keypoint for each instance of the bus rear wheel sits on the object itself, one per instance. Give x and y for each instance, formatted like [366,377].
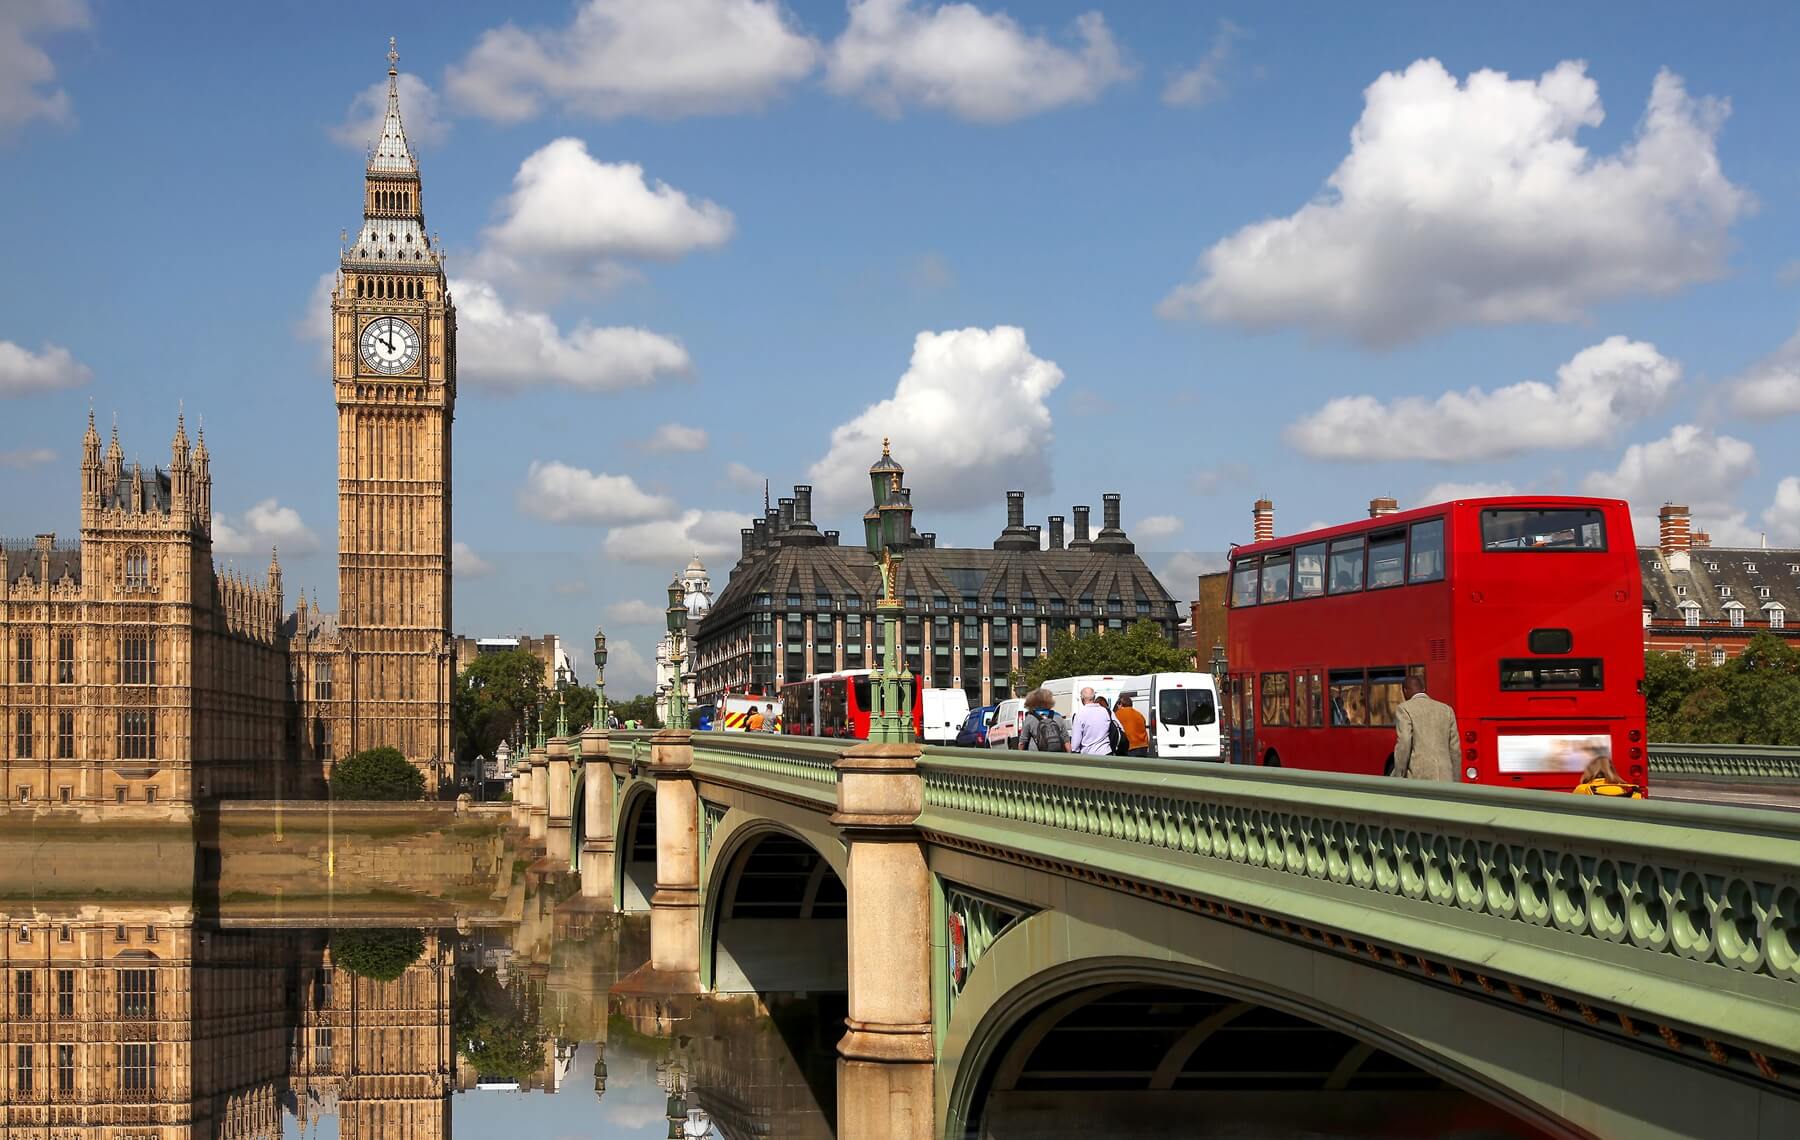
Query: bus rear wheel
[1271,759]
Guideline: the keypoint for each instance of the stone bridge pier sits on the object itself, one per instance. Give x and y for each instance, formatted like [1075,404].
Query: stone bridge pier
[596,818]
[674,966]
[558,800]
[538,805]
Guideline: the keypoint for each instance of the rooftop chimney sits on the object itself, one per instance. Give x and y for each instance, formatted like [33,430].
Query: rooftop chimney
[831,537]
[1081,540]
[1037,536]
[1015,536]
[1112,536]
[1382,505]
[785,509]
[802,503]
[1674,539]
[1700,539]
[761,529]
[746,540]
[1263,517]
[1056,532]
[928,540]
[801,530]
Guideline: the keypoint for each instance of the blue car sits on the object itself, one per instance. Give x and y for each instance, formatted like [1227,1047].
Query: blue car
[974,730]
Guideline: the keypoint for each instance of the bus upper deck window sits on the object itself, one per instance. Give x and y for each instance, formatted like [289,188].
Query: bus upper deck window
[1276,577]
[1309,571]
[1387,559]
[1560,528]
[1243,582]
[1346,565]
[1427,562]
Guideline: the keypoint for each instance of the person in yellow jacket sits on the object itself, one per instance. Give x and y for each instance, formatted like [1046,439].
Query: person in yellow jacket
[1600,778]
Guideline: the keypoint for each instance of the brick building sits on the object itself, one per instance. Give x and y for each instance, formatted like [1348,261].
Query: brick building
[1707,602]
[799,603]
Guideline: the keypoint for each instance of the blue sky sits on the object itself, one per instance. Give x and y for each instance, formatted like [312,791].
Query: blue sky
[1191,253]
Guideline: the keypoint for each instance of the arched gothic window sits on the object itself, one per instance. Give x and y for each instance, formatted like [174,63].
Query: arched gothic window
[137,569]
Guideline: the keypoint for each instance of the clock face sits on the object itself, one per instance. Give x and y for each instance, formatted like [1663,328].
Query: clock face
[390,345]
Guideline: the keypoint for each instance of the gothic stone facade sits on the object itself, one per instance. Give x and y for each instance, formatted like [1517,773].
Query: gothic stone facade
[135,672]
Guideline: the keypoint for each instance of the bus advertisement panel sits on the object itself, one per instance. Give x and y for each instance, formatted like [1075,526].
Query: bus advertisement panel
[1522,614]
[837,705]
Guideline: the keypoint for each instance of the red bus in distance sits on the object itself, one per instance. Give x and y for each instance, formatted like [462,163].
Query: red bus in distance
[1522,614]
[836,705]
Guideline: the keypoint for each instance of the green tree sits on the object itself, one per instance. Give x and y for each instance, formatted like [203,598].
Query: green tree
[490,699]
[1141,648]
[641,708]
[376,774]
[497,1030]
[382,955]
[1753,698]
[578,706]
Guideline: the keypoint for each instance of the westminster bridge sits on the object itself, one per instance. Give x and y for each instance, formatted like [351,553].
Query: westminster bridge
[1025,941]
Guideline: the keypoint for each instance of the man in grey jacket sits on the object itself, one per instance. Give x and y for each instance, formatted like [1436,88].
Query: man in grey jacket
[1425,744]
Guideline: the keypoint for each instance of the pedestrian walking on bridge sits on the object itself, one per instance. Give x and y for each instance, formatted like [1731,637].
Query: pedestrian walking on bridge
[1425,743]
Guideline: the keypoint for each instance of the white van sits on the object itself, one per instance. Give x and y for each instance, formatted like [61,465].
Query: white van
[1181,709]
[944,713]
[1008,717]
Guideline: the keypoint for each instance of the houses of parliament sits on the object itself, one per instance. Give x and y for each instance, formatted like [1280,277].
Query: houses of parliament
[134,671]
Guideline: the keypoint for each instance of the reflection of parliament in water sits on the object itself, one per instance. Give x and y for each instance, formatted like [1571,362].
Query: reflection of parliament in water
[134,1023]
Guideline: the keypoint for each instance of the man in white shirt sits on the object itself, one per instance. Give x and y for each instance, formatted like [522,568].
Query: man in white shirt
[1092,732]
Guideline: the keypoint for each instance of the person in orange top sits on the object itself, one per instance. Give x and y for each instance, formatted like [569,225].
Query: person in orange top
[755,721]
[1137,733]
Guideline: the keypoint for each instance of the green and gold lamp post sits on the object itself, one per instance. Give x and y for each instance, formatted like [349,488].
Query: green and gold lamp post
[678,613]
[887,529]
[601,720]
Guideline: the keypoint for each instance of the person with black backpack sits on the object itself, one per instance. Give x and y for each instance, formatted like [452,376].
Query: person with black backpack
[1115,733]
[1043,730]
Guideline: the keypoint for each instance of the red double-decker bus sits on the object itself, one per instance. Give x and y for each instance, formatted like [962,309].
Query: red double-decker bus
[1523,614]
[837,705]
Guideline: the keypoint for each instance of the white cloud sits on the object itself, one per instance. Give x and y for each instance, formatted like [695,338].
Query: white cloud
[976,65]
[628,671]
[635,611]
[419,111]
[24,372]
[1473,202]
[1180,573]
[557,492]
[941,419]
[1783,516]
[676,437]
[623,57]
[1597,392]
[465,563]
[1690,465]
[1447,491]
[743,478]
[671,542]
[26,457]
[1771,386]
[1205,81]
[573,217]
[1153,527]
[315,320]
[1216,478]
[508,349]
[267,524]
[27,76]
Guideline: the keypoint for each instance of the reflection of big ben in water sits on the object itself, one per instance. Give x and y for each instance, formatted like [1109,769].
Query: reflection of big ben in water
[394,377]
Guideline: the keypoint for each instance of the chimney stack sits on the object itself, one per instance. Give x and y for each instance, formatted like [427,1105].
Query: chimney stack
[802,503]
[1037,536]
[1112,537]
[1675,538]
[1056,532]
[1382,505]
[928,540]
[831,537]
[761,529]
[746,541]
[1263,517]
[1015,536]
[1700,539]
[1081,540]
[785,510]
[1109,511]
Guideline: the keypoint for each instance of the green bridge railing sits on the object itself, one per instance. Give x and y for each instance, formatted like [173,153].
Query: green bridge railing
[1726,762]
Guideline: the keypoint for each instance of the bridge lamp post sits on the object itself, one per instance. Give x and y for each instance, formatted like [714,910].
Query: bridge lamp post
[600,717]
[886,530]
[678,613]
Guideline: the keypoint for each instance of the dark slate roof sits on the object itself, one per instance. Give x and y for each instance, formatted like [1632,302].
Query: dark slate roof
[156,492]
[22,562]
[1744,573]
[953,572]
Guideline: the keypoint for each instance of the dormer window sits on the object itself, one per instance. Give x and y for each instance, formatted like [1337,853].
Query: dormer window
[1724,591]
[1777,615]
[1734,613]
[1681,591]
[1713,566]
[1657,566]
[1794,568]
[1690,614]
[1749,567]
[1762,592]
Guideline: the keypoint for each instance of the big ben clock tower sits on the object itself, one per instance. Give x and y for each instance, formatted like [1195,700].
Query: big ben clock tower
[394,373]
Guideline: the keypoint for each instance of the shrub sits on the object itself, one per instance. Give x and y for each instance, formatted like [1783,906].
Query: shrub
[382,955]
[376,774]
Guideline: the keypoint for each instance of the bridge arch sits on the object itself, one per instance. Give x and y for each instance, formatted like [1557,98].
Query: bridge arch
[775,910]
[634,861]
[1102,946]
